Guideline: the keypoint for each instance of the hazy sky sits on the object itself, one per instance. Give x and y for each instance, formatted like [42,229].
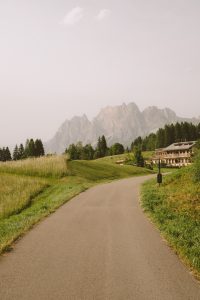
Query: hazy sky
[60,58]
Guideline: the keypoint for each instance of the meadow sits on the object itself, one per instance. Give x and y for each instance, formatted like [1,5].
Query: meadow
[175,208]
[33,188]
[50,166]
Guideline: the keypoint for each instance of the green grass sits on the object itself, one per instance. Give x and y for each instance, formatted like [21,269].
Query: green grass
[175,209]
[34,188]
[98,170]
[17,192]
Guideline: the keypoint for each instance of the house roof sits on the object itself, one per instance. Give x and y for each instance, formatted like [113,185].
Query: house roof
[180,146]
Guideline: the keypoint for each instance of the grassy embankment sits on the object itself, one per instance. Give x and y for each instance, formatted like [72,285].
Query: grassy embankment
[32,189]
[175,209]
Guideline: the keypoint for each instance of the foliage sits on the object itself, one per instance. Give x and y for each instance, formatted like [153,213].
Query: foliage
[79,151]
[102,149]
[5,154]
[116,149]
[172,133]
[87,152]
[138,158]
[31,149]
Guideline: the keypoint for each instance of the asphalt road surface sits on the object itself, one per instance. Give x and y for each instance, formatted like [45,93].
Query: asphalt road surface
[99,245]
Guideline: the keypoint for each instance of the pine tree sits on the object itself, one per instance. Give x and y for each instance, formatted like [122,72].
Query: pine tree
[72,151]
[21,151]
[139,160]
[26,150]
[16,153]
[7,154]
[160,139]
[178,132]
[104,147]
[1,154]
[31,148]
[39,148]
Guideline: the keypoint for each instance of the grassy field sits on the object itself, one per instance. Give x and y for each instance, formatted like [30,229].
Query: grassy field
[100,169]
[175,209]
[52,166]
[32,189]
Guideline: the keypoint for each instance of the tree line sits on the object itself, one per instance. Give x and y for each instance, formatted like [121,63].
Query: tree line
[32,148]
[5,154]
[179,132]
[87,152]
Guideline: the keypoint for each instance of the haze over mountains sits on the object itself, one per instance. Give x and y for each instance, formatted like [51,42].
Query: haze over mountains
[119,124]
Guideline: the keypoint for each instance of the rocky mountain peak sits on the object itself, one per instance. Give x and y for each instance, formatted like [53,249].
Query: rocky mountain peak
[122,123]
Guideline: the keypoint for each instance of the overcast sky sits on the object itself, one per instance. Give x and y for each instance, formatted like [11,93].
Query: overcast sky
[60,58]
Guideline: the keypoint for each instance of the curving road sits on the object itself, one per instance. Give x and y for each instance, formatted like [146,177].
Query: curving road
[98,246]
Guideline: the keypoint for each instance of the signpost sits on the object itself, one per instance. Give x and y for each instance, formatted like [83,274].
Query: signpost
[159,176]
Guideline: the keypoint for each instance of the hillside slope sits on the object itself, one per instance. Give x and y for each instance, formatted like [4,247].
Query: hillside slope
[175,208]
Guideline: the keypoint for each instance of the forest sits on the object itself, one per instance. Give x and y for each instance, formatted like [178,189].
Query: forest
[179,132]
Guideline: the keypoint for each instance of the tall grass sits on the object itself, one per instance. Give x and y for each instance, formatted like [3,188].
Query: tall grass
[17,192]
[51,166]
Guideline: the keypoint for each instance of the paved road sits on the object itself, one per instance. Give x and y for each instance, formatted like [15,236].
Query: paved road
[98,246]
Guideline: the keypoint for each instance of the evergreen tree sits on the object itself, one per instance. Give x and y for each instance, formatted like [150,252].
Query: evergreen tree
[87,152]
[160,139]
[137,143]
[39,148]
[31,148]
[138,158]
[72,151]
[104,147]
[16,153]
[26,150]
[186,131]
[21,151]
[198,131]
[7,154]
[178,132]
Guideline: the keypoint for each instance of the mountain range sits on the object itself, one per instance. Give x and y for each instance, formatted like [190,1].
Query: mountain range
[121,124]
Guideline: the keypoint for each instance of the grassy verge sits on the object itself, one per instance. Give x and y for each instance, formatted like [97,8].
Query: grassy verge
[32,189]
[175,209]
